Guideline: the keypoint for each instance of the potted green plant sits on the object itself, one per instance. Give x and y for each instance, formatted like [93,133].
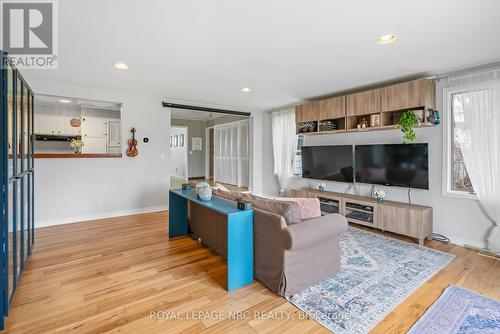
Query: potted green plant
[406,124]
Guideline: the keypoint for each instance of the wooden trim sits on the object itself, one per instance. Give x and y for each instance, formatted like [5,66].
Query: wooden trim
[76,156]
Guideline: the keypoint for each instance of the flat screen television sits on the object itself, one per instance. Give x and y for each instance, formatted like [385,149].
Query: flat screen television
[402,165]
[331,163]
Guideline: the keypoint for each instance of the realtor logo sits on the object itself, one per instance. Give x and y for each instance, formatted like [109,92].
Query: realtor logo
[29,33]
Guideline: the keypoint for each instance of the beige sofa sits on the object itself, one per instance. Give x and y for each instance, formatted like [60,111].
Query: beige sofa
[289,254]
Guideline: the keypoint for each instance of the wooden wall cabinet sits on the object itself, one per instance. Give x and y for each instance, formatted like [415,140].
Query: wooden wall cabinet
[353,110]
[363,103]
[412,94]
[332,108]
[307,112]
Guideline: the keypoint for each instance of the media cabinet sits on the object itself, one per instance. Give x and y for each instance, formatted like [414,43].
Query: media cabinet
[401,218]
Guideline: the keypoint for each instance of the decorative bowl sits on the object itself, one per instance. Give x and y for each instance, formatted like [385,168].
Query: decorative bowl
[204,191]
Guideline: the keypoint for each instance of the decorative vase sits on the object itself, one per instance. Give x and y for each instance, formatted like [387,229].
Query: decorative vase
[380,195]
[204,191]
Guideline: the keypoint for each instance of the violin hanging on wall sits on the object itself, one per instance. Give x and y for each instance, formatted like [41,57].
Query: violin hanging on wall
[132,145]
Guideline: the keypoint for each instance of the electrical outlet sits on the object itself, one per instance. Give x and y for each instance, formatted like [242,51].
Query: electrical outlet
[98,203]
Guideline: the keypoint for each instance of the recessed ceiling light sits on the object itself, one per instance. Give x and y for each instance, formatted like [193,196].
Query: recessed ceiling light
[386,39]
[121,66]
[246,90]
[65,101]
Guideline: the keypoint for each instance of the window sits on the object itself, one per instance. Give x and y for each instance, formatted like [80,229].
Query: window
[460,180]
[456,181]
[297,156]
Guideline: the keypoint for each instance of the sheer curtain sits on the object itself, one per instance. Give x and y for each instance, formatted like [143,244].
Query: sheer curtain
[284,141]
[477,121]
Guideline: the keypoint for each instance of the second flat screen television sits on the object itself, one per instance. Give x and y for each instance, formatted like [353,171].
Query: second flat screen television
[403,165]
[331,163]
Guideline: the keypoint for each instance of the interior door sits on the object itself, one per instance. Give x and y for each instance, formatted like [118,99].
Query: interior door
[16,176]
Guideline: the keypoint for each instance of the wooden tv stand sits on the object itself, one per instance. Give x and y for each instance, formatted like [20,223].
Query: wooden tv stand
[401,218]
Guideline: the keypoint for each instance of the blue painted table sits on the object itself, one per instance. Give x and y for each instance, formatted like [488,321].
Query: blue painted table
[239,232]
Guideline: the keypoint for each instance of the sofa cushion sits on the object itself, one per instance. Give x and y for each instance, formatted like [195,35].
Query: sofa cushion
[229,195]
[309,207]
[287,209]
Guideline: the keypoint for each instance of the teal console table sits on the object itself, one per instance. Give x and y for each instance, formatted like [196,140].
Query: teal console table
[239,232]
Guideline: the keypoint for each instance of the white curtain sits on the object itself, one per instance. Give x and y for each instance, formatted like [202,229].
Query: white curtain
[477,121]
[284,142]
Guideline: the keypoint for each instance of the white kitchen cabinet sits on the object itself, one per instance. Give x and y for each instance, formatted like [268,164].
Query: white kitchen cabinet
[55,125]
[64,126]
[94,127]
[94,134]
[47,124]
[94,145]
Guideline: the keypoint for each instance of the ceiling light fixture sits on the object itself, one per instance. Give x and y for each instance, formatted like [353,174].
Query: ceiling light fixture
[65,101]
[121,66]
[386,39]
[246,90]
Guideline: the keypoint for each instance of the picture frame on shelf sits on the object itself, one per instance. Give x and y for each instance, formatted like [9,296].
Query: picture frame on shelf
[374,120]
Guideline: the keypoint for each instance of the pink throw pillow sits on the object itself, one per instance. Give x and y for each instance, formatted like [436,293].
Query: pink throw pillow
[309,207]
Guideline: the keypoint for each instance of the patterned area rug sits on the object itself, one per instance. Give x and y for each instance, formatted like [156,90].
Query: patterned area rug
[460,311]
[377,274]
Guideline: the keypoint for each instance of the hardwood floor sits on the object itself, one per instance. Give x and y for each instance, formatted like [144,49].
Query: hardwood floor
[109,275]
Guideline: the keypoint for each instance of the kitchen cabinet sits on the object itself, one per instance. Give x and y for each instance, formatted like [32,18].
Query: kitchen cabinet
[47,124]
[94,145]
[65,128]
[55,125]
[94,134]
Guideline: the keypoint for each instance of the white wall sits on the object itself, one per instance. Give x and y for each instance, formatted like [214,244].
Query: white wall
[178,155]
[68,190]
[462,220]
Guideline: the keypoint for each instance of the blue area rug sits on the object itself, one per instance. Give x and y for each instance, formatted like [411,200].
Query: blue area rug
[460,311]
[377,274]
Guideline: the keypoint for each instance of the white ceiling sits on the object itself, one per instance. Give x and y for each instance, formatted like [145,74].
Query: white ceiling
[206,51]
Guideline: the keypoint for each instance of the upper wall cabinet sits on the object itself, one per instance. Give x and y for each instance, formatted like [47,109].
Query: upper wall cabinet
[307,112]
[332,108]
[375,109]
[363,103]
[412,94]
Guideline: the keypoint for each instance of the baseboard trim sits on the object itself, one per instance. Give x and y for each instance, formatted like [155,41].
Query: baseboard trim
[103,215]
[467,243]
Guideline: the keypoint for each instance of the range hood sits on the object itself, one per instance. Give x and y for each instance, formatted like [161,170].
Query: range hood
[55,137]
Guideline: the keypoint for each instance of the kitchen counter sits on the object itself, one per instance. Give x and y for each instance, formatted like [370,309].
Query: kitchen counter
[76,156]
